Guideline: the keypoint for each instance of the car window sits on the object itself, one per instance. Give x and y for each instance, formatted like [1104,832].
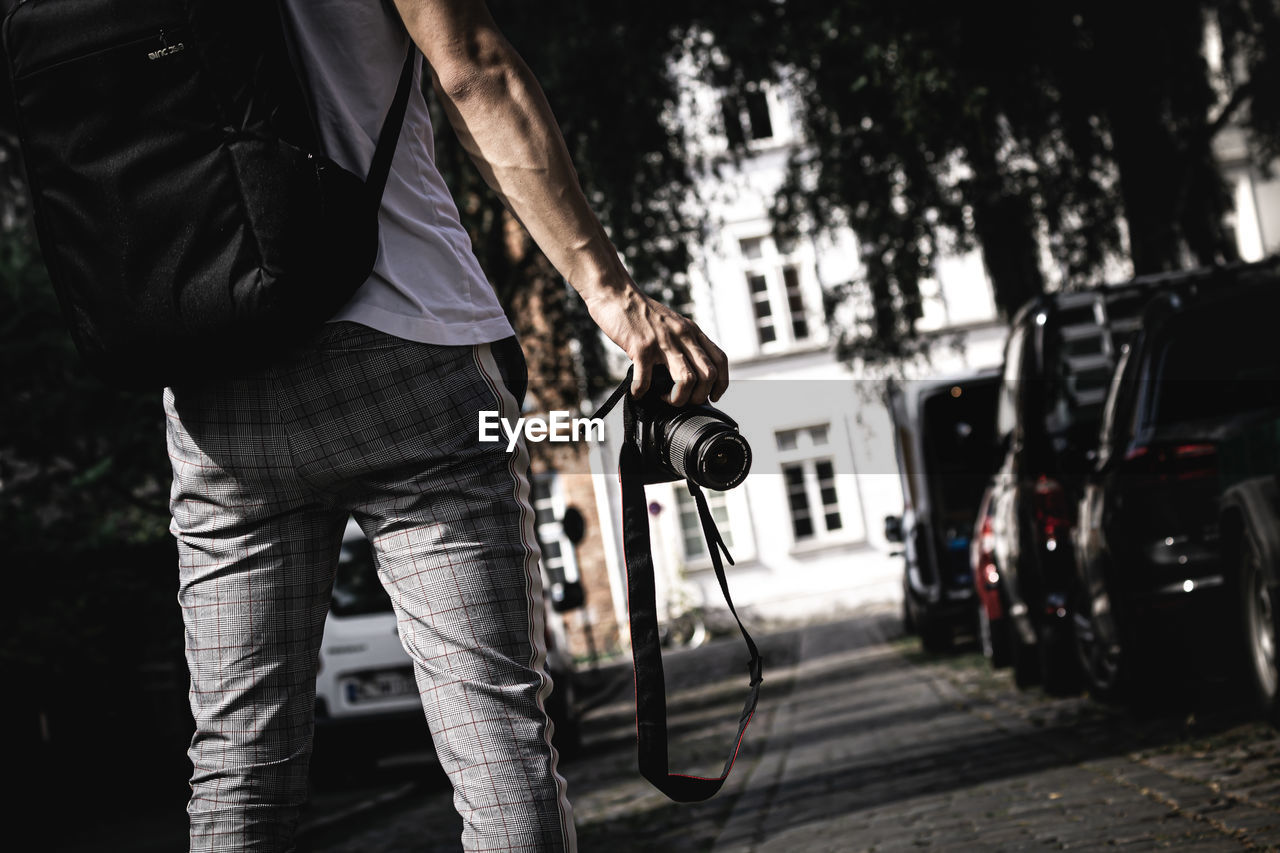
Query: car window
[1079,357]
[1007,413]
[958,433]
[356,588]
[1216,365]
[1110,437]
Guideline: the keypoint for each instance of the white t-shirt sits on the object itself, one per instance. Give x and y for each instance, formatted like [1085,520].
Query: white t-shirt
[426,286]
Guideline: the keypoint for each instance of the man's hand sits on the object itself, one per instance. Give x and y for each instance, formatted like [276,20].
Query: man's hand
[503,120]
[651,334]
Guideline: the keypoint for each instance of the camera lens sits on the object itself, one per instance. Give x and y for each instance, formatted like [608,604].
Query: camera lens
[723,461]
[708,451]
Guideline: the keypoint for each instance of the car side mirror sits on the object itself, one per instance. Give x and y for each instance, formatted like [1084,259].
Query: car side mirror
[893,528]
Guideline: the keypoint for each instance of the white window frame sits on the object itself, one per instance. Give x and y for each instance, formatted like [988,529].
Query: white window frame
[737,510]
[771,102]
[718,503]
[772,266]
[807,455]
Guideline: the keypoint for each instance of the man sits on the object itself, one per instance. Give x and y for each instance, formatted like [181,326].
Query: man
[378,417]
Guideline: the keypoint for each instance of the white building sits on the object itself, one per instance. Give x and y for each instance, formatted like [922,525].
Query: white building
[806,528]
[1256,196]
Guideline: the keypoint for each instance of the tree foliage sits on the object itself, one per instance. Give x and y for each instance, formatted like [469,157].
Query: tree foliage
[1079,130]
[1050,137]
[80,465]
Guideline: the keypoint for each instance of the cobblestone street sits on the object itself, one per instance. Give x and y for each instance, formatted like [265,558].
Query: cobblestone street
[863,743]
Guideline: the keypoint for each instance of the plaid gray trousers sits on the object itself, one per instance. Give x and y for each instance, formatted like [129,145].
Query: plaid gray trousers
[266,469]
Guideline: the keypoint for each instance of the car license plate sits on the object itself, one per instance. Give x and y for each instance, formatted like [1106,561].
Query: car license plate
[380,685]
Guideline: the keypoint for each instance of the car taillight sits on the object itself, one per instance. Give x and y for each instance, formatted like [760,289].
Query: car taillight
[986,554]
[1173,462]
[986,540]
[1053,515]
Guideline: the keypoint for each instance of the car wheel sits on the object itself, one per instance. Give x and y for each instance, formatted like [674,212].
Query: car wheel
[1026,658]
[1100,661]
[994,638]
[936,636]
[1258,604]
[908,621]
[1059,665]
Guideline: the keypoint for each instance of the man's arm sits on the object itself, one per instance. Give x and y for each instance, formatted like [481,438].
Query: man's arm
[503,120]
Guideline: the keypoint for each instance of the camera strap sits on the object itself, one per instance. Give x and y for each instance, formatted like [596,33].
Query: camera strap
[646,649]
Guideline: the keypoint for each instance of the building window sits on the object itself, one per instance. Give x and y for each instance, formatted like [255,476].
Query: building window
[776,289]
[810,478]
[798,502]
[758,114]
[793,439]
[827,491]
[746,115]
[558,560]
[694,544]
[795,303]
[760,304]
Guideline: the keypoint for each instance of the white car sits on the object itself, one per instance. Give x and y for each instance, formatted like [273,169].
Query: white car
[367,702]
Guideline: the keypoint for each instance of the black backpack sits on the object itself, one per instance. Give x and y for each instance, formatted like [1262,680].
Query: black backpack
[191,227]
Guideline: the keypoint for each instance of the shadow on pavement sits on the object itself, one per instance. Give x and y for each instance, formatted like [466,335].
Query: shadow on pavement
[884,729]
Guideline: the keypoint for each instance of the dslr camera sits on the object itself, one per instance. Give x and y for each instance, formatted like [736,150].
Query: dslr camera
[694,442]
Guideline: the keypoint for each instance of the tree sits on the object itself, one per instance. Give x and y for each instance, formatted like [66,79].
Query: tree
[1079,126]
[80,465]
[83,467]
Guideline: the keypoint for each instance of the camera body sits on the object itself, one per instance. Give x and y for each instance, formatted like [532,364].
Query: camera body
[697,442]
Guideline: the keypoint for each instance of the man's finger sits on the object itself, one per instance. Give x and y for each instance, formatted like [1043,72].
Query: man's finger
[640,377]
[682,376]
[705,373]
[721,384]
[721,363]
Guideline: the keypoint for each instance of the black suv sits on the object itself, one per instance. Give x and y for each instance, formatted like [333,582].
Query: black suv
[943,434]
[1059,358]
[1203,369]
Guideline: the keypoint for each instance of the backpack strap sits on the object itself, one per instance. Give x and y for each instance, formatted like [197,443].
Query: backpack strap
[380,168]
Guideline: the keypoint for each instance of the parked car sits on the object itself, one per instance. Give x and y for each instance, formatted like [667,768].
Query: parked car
[1203,372]
[994,633]
[1249,521]
[944,433]
[367,701]
[1059,356]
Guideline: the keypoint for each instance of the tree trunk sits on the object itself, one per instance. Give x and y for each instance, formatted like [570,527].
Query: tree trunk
[1005,227]
[1173,195]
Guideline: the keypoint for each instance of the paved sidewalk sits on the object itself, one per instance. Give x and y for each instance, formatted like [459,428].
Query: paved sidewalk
[863,743]
[869,754]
